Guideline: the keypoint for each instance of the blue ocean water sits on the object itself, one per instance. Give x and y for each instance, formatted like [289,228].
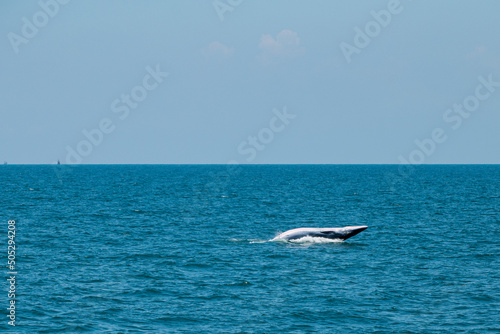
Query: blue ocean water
[184,249]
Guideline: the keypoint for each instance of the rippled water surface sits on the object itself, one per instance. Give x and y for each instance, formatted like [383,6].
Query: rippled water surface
[181,249]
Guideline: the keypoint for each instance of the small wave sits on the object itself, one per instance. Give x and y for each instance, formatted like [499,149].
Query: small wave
[255,241]
[251,241]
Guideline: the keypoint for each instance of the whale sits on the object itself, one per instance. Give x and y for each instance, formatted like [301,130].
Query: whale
[339,233]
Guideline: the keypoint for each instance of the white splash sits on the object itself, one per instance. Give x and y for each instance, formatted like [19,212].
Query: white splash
[310,240]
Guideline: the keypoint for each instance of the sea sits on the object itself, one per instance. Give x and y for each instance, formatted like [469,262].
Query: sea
[186,249]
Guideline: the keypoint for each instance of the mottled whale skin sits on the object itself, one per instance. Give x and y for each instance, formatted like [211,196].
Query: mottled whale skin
[341,233]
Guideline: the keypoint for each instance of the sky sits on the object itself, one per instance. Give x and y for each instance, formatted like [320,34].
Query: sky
[249,82]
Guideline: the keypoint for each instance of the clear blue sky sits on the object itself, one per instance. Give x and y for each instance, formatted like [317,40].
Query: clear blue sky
[235,68]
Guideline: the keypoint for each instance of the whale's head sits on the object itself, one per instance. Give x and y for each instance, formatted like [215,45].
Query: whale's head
[342,233]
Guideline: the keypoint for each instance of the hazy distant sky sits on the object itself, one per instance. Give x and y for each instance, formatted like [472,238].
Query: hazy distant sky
[235,68]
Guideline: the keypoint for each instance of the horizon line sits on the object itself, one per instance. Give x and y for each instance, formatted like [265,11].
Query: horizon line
[238,164]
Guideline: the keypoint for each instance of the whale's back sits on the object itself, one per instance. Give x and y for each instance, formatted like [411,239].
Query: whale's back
[341,233]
